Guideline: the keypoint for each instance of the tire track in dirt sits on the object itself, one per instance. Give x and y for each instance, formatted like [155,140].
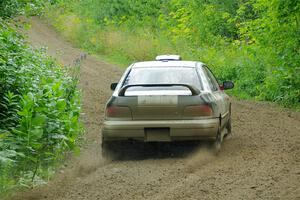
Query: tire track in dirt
[261,161]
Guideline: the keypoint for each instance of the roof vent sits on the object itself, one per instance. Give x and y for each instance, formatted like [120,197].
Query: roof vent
[167,57]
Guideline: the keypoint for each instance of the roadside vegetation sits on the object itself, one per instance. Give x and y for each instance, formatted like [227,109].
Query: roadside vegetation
[255,43]
[39,107]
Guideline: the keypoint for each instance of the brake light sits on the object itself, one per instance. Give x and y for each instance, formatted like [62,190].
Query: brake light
[111,111]
[198,111]
[118,112]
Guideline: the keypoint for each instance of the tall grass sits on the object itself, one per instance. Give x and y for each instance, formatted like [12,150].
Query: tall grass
[126,35]
[125,46]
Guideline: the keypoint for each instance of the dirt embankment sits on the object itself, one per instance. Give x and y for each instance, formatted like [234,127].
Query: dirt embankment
[261,161]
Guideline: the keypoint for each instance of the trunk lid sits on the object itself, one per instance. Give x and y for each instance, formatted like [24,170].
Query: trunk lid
[156,107]
[162,107]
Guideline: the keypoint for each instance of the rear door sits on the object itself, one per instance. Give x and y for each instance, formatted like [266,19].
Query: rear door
[221,98]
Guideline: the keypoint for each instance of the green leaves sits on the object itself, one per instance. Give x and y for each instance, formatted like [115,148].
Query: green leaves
[255,43]
[61,105]
[9,8]
[7,156]
[39,103]
[8,107]
[38,121]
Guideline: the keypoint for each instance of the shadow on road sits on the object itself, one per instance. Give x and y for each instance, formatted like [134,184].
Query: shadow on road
[134,150]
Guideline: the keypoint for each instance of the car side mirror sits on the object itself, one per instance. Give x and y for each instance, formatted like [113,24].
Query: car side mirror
[113,86]
[227,85]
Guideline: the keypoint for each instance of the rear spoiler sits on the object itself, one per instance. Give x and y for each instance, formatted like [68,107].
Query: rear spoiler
[194,90]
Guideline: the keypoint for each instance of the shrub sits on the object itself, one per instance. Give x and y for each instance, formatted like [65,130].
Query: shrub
[39,111]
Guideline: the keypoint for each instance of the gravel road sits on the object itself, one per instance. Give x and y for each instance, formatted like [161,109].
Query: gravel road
[261,160]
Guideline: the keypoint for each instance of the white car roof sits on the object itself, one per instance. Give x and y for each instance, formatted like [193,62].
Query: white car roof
[166,64]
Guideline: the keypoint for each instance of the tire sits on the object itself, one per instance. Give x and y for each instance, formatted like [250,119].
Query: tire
[106,149]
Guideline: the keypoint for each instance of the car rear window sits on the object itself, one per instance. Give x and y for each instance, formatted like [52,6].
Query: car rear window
[164,75]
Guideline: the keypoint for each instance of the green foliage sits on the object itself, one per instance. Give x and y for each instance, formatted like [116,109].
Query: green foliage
[39,111]
[254,43]
[10,8]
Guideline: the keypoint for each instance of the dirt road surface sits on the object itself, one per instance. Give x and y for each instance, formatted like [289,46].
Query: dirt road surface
[261,160]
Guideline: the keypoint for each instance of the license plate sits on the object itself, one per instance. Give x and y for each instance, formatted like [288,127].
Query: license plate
[157,134]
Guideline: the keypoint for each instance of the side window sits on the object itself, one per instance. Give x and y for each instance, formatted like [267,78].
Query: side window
[213,84]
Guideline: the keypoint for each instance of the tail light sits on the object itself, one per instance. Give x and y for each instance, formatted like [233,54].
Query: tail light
[118,112]
[198,111]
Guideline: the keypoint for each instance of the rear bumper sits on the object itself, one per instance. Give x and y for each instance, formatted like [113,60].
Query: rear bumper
[164,130]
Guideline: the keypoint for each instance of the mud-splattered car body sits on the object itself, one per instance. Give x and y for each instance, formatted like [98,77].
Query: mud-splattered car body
[167,100]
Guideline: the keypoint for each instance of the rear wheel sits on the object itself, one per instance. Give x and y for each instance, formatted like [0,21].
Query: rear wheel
[106,148]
